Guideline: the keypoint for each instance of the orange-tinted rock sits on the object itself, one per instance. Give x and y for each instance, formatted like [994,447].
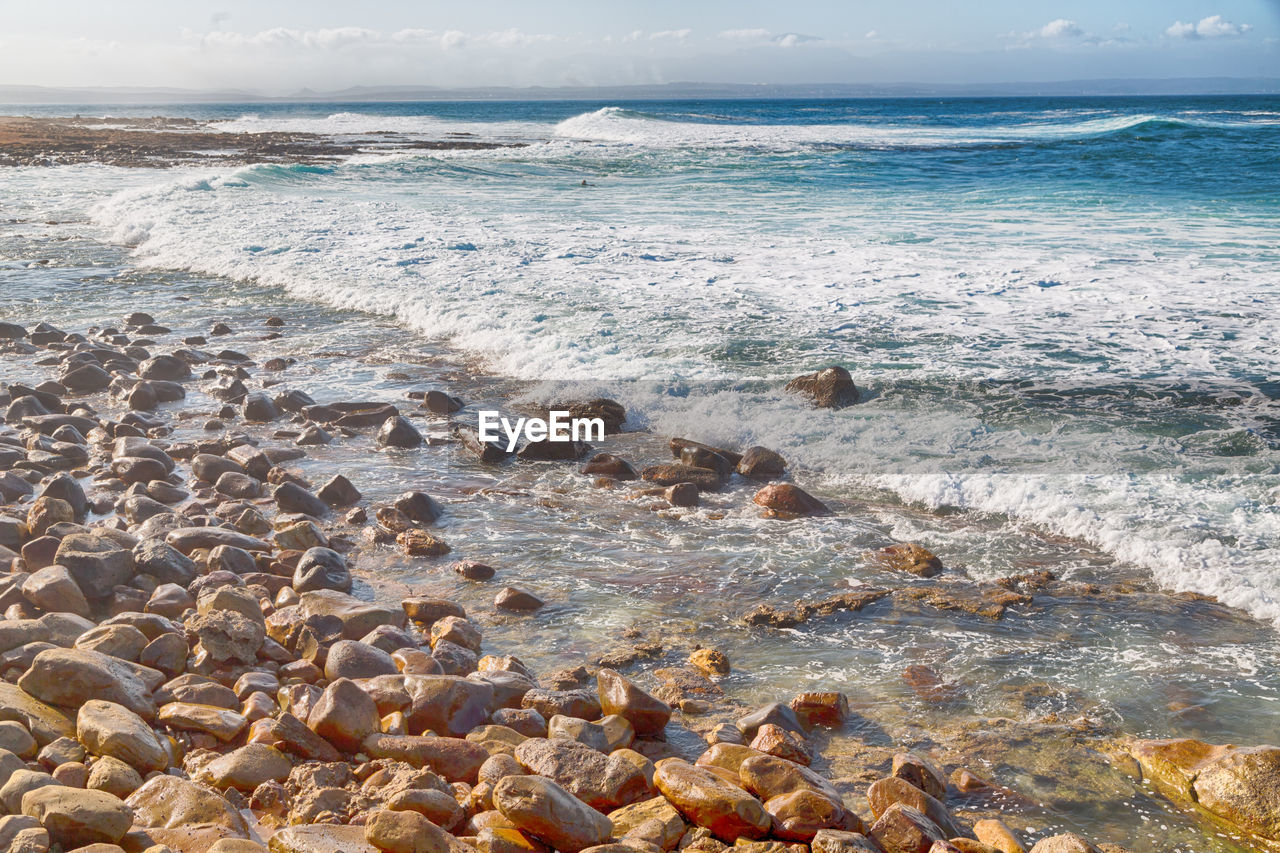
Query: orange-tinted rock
[902,829]
[709,801]
[647,715]
[910,558]
[788,501]
[830,388]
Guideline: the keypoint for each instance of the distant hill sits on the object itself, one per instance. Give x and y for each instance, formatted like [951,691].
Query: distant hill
[1067,88]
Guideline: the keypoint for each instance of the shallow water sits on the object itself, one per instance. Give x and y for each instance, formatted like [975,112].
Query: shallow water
[1046,387]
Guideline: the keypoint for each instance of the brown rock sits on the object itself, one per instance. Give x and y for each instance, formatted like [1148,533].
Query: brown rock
[836,841]
[920,772]
[246,768]
[761,463]
[775,740]
[647,715]
[514,598]
[602,782]
[76,817]
[799,816]
[671,474]
[709,801]
[345,715]
[830,388]
[547,811]
[884,793]
[821,709]
[221,723]
[902,829]
[71,677]
[1066,843]
[420,543]
[453,758]
[409,832]
[106,728]
[995,833]
[910,558]
[174,811]
[787,501]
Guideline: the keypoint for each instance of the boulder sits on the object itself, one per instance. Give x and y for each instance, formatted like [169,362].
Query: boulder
[647,715]
[357,617]
[707,800]
[45,722]
[910,558]
[291,497]
[96,563]
[71,677]
[321,568]
[107,728]
[902,829]
[671,474]
[176,812]
[228,635]
[76,817]
[399,433]
[321,838]
[452,758]
[602,782]
[222,723]
[788,501]
[345,715]
[246,768]
[830,388]
[761,463]
[54,589]
[399,831]
[548,812]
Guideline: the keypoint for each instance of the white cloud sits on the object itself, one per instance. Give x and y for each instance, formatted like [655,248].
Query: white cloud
[745,35]
[871,34]
[1060,28]
[674,35]
[758,36]
[1213,26]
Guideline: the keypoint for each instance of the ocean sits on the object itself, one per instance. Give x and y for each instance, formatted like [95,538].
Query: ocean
[1064,314]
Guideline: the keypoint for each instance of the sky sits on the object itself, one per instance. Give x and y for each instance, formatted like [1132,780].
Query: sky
[287,45]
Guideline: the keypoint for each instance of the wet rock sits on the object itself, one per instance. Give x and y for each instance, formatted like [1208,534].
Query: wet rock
[761,463]
[419,507]
[75,817]
[321,568]
[774,713]
[450,757]
[166,367]
[910,558]
[439,403]
[787,501]
[548,812]
[902,829]
[520,600]
[188,539]
[654,821]
[828,709]
[291,497]
[709,801]
[339,492]
[618,695]
[357,617]
[768,776]
[586,733]
[399,433]
[775,740]
[996,834]
[261,409]
[71,677]
[920,772]
[46,723]
[682,494]
[609,465]
[86,379]
[830,388]
[107,728]
[800,815]
[710,661]
[420,543]
[929,686]
[884,793]
[669,475]
[473,570]
[237,485]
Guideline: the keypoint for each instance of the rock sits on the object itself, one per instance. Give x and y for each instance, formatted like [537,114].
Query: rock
[995,833]
[609,465]
[514,598]
[775,713]
[775,740]
[112,776]
[260,409]
[339,492]
[710,661]
[22,834]
[354,659]
[188,539]
[884,793]
[320,838]
[548,812]
[828,709]
[357,617]
[399,433]
[420,543]
[246,768]
[222,723]
[21,782]
[45,723]
[291,497]
[682,494]
[709,801]
[345,715]
[86,379]
[119,641]
[409,832]
[54,589]
[233,484]
[75,817]
[439,403]
[835,841]
[450,757]
[96,563]
[902,829]
[228,635]
[647,715]
[830,388]
[787,501]
[447,704]
[473,570]
[321,568]
[419,507]
[15,738]
[761,463]
[800,815]
[588,734]
[910,558]
[107,728]
[177,812]
[654,820]
[71,677]
[768,777]
[163,562]
[166,367]
[671,474]
[921,773]
[602,782]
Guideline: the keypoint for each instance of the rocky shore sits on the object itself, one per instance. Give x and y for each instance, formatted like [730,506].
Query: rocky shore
[164,142]
[185,667]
